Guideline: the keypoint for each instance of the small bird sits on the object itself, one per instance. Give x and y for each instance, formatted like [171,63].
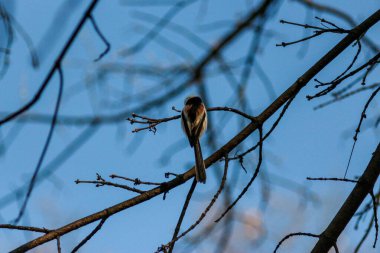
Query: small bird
[194,124]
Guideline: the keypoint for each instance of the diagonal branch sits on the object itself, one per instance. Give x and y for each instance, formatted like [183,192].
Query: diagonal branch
[351,205]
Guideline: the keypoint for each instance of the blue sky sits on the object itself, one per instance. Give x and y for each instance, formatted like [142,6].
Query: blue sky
[307,142]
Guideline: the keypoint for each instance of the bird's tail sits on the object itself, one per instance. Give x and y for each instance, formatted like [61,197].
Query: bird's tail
[200,170]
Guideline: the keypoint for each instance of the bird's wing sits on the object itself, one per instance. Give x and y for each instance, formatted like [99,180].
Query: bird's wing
[185,124]
[198,129]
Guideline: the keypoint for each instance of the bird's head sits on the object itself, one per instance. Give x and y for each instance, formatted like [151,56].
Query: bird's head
[191,100]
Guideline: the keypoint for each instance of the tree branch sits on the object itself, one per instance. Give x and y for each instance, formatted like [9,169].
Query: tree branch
[351,205]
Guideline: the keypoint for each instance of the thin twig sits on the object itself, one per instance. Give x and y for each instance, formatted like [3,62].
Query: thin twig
[347,95]
[101,182]
[375,217]
[102,37]
[88,237]
[44,150]
[275,124]
[291,235]
[332,179]
[366,233]
[152,123]
[357,131]
[336,82]
[318,31]
[204,213]
[58,244]
[338,13]
[229,109]
[346,70]
[135,181]
[182,215]
[257,170]
[24,228]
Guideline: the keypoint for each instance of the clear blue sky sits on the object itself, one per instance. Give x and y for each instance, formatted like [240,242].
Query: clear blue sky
[306,143]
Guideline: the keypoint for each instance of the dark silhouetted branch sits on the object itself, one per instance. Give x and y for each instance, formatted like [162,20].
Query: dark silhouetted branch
[24,228]
[331,179]
[292,235]
[347,95]
[255,174]
[357,131]
[318,31]
[58,244]
[366,233]
[88,237]
[336,82]
[375,204]
[273,127]
[182,215]
[44,150]
[338,13]
[101,182]
[135,181]
[152,123]
[204,213]
[351,205]
[102,37]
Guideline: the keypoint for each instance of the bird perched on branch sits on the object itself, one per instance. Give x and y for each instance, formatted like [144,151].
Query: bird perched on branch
[194,124]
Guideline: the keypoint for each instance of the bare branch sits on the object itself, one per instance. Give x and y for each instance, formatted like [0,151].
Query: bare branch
[352,203]
[24,228]
[102,37]
[204,213]
[292,235]
[182,215]
[88,237]
[135,181]
[44,150]
[357,131]
[101,182]
[255,174]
